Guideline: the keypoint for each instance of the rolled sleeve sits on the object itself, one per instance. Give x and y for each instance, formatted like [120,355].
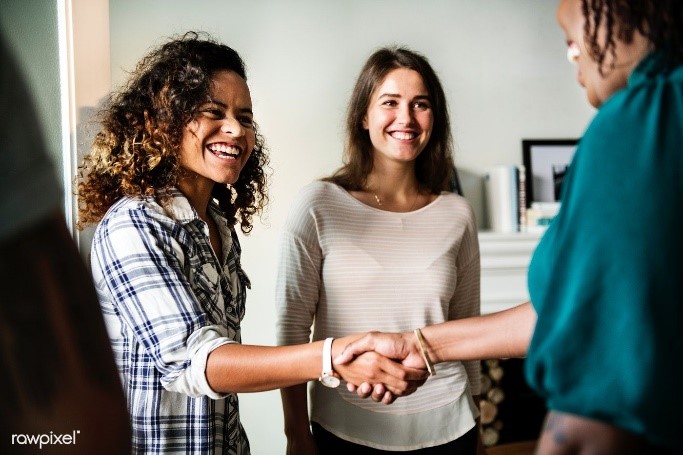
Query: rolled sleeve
[192,380]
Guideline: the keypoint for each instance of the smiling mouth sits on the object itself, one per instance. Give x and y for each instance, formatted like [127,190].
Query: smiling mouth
[403,135]
[224,151]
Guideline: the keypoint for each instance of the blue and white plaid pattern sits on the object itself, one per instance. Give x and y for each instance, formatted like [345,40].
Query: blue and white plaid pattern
[167,302]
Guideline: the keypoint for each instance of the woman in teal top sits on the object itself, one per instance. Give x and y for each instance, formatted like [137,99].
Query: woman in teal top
[606,280]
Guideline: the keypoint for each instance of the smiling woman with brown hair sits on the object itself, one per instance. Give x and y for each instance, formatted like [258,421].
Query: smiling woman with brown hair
[383,244]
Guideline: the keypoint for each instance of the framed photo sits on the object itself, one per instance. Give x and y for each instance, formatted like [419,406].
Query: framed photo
[545,162]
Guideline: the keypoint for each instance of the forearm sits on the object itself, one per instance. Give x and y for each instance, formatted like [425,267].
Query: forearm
[236,368]
[499,335]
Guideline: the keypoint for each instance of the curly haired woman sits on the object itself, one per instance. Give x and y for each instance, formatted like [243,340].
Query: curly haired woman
[177,165]
[605,279]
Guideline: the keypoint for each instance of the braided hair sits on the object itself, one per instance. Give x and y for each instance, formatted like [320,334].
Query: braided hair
[659,21]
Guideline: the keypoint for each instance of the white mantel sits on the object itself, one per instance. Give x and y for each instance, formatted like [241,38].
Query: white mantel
[504,263]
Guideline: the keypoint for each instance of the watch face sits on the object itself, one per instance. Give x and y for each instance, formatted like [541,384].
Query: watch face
[330,381]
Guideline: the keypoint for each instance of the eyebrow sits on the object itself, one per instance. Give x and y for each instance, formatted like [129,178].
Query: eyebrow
[247,110]
[396,95]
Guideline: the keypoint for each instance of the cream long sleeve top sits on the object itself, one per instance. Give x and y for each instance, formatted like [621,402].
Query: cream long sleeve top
[346,267]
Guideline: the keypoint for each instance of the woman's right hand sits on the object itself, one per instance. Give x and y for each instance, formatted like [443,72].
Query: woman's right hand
[397,346]
[390,378]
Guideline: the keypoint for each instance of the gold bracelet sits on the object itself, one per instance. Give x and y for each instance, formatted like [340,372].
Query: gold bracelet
[423,351]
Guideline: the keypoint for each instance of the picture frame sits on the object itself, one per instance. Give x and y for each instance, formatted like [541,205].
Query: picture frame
[545,164]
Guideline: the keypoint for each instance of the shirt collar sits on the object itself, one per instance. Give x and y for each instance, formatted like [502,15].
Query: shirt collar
[179,208]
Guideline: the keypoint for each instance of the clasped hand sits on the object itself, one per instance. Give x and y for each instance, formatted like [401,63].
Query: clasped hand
[383,366]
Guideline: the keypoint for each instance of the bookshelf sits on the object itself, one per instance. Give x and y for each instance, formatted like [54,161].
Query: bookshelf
[504,263]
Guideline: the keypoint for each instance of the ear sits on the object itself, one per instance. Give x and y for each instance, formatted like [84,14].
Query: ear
[192,126]
[365,122]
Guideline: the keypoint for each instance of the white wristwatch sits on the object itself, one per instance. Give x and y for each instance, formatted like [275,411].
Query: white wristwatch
[328,378]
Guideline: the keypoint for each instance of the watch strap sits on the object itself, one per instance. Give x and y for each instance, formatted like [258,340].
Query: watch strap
[327,356]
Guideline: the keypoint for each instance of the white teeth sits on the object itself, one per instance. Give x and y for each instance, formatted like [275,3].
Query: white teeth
[224,149]
[402,135]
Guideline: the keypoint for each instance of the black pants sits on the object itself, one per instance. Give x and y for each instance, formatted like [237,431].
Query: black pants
[328,443]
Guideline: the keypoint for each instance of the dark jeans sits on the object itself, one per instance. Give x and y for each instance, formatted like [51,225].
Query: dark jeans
[328,443]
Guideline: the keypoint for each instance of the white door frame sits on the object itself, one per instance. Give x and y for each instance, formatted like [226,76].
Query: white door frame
[85,80]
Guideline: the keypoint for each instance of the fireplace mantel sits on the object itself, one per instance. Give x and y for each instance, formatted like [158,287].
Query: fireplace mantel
[504,263]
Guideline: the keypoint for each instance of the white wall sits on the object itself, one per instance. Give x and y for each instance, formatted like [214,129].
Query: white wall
[502,63]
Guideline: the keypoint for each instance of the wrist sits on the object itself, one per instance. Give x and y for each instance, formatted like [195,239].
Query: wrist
[298,430]
[431,345]
[422,347]
[328,377]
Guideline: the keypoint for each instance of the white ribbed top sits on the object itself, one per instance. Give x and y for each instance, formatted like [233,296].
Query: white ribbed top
[352,268]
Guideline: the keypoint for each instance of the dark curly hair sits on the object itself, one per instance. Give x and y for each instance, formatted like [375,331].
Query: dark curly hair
[434,166]
[659,21]
[136,151]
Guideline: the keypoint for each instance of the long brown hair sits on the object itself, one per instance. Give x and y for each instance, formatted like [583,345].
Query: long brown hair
[136,152]
[434,166]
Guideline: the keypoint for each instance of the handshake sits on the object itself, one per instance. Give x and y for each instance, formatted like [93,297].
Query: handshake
[385,366]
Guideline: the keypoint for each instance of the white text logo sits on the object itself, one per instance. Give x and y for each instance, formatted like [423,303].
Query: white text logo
[45,439]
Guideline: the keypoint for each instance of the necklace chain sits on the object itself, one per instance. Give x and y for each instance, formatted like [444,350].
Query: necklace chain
[379,201]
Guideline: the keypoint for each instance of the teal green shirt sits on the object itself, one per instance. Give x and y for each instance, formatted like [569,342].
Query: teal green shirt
[607,277]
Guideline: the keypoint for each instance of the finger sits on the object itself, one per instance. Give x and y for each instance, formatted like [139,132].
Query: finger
[350,387]
[404,373]
[354,349]
[399,379]
[364,390]
[378,392]
[415,374]
[388,397]
[403,388]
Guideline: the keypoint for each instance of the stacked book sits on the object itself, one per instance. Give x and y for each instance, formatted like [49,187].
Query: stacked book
[505,188]
[508,206]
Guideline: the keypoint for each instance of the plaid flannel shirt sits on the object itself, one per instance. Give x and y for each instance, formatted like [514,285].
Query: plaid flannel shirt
[167,303]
